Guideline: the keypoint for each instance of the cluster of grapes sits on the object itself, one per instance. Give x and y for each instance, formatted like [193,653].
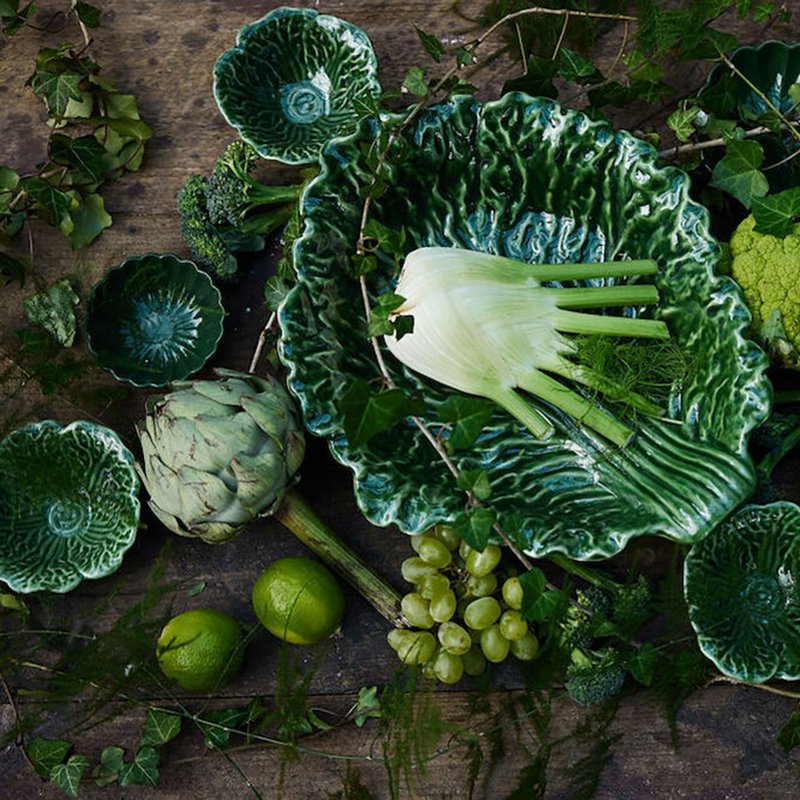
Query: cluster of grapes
[454,582]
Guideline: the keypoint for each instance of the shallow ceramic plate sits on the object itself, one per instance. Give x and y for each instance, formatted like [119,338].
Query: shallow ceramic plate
[293,81]
[743,596]
[154,319]
[524,178]
[68,505]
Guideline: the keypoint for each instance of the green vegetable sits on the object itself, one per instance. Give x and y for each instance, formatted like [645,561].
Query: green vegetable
[766,268]
[487,325]
[594,676]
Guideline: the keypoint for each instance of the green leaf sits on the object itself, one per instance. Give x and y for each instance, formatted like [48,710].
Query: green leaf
[217,726]
[13,603]
[45,754]
[160,727]
[389,241]
[275,291]
[107,771]
[9,8]
[403,324]
[474,526]
[89,15]
[738,173]
[467,416]
[197,589]
[431,43]
[84,153]
[367,414]
[143,770]
[415,82]
[775,214]
[789,734]
[56,89]
[537,80]
[475,481]
[17,20]
[681,121]
[363,265]
[368,705]
[576,68]
[11,269]
[67,777]
[464,57]
[54,310]
[642,663]
[89,220]
[379,323]
[538,602]
[9,180]
[44,197]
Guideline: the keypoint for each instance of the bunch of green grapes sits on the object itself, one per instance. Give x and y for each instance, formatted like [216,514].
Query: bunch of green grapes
[462,616]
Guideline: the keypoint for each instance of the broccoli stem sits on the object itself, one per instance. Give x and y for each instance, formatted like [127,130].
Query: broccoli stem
[262,194]
[580,570]
[266,222]
[771,460]
[296,515]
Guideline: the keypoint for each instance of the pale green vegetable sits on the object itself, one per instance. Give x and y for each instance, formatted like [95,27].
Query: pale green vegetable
[488,326]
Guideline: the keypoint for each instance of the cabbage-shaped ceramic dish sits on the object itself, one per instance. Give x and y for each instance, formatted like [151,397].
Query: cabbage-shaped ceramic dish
[293,81]
[524,178]
[154,319]
[741,585]
[68,505]
[773,68]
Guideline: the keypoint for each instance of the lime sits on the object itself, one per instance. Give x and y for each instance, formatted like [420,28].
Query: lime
[298,600]
[200,649]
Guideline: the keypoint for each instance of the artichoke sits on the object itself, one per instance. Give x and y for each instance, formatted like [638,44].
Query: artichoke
[218,454]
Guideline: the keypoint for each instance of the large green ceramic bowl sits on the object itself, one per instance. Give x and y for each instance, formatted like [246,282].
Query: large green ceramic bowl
[68,505]
[743,596]
[525,178]
[293,82]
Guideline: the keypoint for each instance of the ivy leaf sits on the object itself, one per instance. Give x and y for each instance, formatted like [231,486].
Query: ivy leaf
[431,43]
[379,323]
[415,82]
[9,180]
[538,602]
[54,310]
[160,727]
[89,15]
[17,17]
[642,663]
[218,725]
[13,603]
[577,69]
[789,734]
[537,80]
[468,417]
[107,771]
[775,214]
[475,481]
[56,89]
[11,269]
[738,173]
[67,777]
[464,57]
[143,770]
[9,8]
[389,241]
[474,526]
[84,153]
[275,291]
[46,754]
[682,122]
[89,220]
[367,414]
[368,705]
[44,196]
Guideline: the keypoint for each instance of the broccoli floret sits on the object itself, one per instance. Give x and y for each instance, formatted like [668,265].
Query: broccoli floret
[631,606]
[594,676]
[233,195]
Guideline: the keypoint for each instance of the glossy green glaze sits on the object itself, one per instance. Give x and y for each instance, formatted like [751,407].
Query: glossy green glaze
[154,319]
[743,596]
[524,178]
[68,505]
[293,82]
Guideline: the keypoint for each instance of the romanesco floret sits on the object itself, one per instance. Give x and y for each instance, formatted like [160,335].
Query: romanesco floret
[768,270]
[594,676]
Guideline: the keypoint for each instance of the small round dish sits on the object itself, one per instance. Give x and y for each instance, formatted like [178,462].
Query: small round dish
[154,319]
[68,505]
[291,83]
[741,586]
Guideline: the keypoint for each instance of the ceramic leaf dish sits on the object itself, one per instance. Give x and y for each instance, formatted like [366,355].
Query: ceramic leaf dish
[524,178]
[68,505]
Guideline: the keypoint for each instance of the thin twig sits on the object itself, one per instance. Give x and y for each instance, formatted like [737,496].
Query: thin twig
[17,720]
[262,340]
[561,36]
[692,147]
[87,39]
[764,687]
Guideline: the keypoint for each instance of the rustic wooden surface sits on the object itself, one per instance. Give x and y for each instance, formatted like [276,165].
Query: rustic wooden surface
[163,52]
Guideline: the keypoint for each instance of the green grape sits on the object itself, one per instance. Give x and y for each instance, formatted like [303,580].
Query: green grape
[416,648]
[416,609]
[443,606]
[512,593]
[512,626]
[447,536]
[447,667]
[482,613]
[431,550]
[482,562]
[473,661]
[464,550]
[494,645]
[433,584]
[396,637]
[414,569]
[481,587]
[453,638]
[526,648]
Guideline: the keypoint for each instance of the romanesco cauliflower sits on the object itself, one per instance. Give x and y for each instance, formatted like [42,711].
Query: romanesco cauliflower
[768,270]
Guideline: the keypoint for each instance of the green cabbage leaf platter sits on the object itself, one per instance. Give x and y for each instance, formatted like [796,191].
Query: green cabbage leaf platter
[525,178]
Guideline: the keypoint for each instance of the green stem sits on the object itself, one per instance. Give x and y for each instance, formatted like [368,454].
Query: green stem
[521,409]
[786,397]
[771,460]
[301,520]
[606,325]
[581,272]
[580,570]
[629,294]
[267,221]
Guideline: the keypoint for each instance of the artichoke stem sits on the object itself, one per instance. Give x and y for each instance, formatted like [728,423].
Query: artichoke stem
[295,514]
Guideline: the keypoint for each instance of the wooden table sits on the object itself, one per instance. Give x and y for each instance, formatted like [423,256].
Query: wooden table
[163,52]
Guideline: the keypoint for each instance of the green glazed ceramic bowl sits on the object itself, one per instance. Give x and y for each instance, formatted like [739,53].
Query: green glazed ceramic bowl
[293,81]
[743,596]
[68,505]
[154,319]
[524,178]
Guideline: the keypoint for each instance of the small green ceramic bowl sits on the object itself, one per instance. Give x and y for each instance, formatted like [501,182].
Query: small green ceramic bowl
[154,319]
[293,82]
[68,505]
